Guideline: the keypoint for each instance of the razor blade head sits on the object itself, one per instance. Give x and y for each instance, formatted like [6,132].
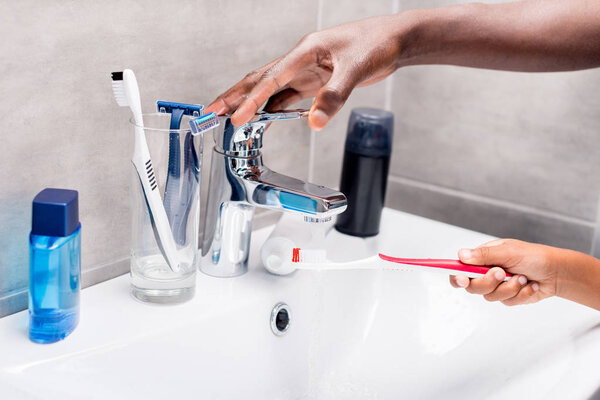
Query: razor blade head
[204,123]
[194,110]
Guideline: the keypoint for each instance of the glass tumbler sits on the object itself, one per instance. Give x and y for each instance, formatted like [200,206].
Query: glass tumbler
[177,160]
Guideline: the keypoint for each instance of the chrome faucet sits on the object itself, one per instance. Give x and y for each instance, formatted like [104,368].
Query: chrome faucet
[239,182]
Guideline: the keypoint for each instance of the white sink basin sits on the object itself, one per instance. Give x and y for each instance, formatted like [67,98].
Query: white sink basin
[353,335]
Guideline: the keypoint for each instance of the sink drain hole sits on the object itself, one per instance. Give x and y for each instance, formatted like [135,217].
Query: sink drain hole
[280,319]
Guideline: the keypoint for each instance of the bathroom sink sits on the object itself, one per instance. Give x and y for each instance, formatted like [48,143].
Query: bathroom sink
[353,335]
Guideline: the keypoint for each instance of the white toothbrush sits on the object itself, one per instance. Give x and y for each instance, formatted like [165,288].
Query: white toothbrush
[316,259]
[127,94]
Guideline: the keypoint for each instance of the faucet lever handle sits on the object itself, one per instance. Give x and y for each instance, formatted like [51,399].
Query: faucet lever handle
[279,115]
[246,140]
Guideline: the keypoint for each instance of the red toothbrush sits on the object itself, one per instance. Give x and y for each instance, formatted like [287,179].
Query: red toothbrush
[316,259]
[452,266]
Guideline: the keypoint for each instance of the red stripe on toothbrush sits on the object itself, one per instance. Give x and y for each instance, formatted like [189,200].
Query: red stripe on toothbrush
[453,265]
[296,255]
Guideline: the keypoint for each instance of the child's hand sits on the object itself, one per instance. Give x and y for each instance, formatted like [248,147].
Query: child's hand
[534,273]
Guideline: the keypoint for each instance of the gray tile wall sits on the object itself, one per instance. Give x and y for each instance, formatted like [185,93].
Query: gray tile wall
[509,154]
[503,153]
[523,147]
[328,148]
[62,128]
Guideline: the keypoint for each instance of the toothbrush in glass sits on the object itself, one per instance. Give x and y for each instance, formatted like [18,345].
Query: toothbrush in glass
[127,94]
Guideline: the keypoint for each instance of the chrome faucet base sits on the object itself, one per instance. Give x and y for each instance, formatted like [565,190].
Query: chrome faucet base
[228,255]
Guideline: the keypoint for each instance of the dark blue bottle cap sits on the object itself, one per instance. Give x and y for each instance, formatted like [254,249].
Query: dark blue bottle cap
[55,212]
[370,132]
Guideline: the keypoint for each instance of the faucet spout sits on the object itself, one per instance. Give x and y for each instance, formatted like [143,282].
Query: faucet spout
[240,182]
[269,189]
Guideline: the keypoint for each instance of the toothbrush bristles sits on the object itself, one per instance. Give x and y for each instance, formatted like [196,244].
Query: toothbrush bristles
[309,256]
[117,76]
[119,92]
[119,88]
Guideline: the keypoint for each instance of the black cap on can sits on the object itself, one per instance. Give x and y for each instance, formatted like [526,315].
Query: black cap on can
[370,132]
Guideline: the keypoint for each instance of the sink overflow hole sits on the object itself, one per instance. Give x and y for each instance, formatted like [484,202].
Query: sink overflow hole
[280,319]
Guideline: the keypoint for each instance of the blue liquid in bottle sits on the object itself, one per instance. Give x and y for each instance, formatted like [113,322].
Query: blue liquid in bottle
[55,266]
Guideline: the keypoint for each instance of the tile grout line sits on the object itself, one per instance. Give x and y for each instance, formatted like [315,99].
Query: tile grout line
[491,201]
[313,135]
[595,251]
[319,14]
[389,84]
[388,95]
[311,156]
[13,296]
[105,264]
[13,293]
[396,6]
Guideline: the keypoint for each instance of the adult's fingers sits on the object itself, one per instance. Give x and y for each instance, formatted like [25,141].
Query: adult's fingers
[332,97]
[283,100]
[273,80]
[524,296]
[508,289]
[228,101]
[487,283]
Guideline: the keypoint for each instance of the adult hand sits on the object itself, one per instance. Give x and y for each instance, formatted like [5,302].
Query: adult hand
[517,36]
[327,65]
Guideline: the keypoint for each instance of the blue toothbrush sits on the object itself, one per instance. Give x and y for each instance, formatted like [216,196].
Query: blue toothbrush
[176,196]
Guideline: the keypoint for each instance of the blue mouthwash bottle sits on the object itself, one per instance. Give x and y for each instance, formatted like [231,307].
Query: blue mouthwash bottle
[54,265]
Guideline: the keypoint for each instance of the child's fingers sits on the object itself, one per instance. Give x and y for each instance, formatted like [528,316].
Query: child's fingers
[453,282]
[459,281]
[488,282]
[507,290]
[485,255]
[523,296]
[495,242]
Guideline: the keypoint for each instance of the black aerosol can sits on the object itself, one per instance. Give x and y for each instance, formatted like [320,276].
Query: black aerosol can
[365,170]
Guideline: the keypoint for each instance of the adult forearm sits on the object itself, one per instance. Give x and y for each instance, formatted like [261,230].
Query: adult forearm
[531,35]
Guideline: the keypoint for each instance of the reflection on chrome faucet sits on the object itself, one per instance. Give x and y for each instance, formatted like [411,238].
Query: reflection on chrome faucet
[239,183]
